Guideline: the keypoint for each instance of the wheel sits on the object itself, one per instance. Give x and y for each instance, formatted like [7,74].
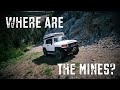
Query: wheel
[59,54]
[76,50]
[45,52]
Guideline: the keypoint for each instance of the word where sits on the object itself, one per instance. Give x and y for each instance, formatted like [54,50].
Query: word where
[33,22]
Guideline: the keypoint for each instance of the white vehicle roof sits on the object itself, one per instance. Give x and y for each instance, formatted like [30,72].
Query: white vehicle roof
[53,35]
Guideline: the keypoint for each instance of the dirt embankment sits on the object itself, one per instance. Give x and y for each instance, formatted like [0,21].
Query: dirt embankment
[33,65]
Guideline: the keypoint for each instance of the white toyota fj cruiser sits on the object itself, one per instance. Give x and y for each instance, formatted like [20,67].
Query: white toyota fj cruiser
[58,44]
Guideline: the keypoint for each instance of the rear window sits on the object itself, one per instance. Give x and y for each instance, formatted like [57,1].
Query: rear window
[48,41]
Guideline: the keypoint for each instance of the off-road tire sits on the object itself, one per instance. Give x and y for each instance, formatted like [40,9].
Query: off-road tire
[45,52]
[76,51]
[59,54]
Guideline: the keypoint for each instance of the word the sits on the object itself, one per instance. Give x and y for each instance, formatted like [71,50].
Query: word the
[87,69]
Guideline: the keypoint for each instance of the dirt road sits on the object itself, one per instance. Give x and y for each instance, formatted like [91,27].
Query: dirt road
[33,65]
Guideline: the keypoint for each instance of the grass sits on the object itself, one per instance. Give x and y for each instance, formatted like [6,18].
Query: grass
[35,55]
[24,56]
[7,55]
[11,53]
[77,65]
[10,61]
[48,71]
[67,77]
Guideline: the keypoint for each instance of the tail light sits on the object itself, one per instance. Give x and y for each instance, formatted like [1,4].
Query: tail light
[64,45]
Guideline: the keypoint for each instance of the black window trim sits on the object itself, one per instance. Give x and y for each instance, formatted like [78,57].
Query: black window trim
[48,39]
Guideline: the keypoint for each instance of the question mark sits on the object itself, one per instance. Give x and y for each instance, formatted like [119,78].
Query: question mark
[112,65]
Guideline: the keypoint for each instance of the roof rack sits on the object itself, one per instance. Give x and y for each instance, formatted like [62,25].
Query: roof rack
[53,34]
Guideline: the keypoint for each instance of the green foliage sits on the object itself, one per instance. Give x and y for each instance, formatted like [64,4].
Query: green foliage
[77,64]
[13,41]
[48,71]
[9,54]
[13,53]
[35,55]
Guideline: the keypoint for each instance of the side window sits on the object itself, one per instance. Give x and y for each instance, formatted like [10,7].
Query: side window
[55,39]
[49,41]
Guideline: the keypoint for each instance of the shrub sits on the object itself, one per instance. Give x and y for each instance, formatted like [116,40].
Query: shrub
[9,54]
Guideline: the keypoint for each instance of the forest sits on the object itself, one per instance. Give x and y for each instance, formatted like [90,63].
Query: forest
[13,41]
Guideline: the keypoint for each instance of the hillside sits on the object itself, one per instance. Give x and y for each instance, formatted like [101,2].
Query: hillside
[34,65]
[98,34]
[89,27]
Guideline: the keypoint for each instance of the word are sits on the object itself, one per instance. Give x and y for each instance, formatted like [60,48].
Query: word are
[34,22]
[87,69]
